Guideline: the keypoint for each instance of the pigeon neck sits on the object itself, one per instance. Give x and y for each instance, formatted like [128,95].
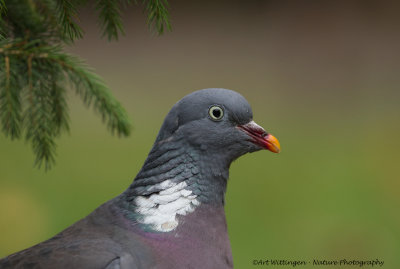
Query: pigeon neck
[175,180]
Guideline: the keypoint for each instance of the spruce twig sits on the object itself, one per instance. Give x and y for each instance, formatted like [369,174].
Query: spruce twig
[10,104]
[110,18]
[68,17]
[35,72]
[157,15]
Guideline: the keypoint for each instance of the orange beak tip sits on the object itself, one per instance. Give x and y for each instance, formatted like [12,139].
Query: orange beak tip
[272,143]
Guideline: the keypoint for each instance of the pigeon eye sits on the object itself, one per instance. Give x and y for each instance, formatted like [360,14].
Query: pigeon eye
[216,112]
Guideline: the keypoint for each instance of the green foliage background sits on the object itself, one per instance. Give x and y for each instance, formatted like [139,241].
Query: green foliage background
[323,78]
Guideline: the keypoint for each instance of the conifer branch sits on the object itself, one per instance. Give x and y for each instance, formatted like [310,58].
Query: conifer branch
[35,71]
[68,15]
[47,70]
[93,92]
[39,123]
[157,15]
[110,18]
[59,106]
[10,105]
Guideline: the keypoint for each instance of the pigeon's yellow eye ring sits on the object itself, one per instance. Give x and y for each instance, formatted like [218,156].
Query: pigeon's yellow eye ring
[216,113]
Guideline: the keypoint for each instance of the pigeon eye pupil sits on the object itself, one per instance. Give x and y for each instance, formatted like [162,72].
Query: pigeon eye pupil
[216,113]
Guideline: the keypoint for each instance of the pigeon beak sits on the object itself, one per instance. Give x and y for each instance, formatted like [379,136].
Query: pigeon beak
[260,137]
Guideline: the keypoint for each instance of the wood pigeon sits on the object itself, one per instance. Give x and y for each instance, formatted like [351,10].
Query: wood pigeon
[172,215]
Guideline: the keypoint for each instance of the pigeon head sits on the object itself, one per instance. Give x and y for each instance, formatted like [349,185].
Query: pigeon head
[188,165]
[217,121]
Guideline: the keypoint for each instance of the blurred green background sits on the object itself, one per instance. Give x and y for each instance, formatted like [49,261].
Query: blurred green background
[322,76]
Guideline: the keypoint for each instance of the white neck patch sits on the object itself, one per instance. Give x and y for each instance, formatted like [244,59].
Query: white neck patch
[160,209]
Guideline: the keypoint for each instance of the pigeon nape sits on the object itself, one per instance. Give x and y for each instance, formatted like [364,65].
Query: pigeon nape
[172,215]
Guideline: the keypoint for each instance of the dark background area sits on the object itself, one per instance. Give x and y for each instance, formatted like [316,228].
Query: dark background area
[322,76]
